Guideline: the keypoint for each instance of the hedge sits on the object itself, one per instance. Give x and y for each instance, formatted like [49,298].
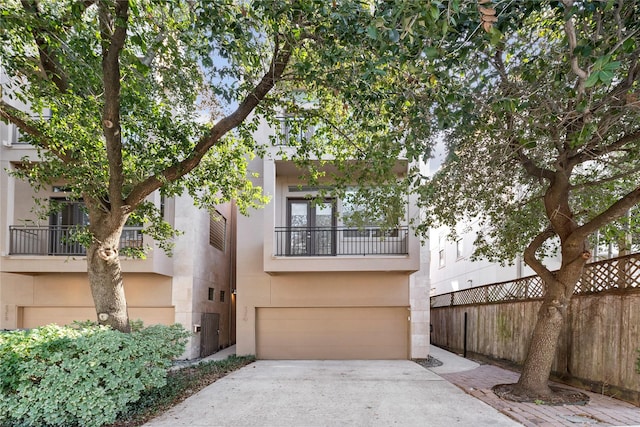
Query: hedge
[81,375]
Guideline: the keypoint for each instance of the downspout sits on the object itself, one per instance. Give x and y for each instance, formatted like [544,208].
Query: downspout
[232,270]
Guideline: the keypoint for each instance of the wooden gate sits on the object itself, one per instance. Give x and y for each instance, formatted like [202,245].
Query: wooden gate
[209,334]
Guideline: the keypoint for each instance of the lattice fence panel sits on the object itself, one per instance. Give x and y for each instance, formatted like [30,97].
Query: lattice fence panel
[443,300]
[470,296]
[534,287]
[616,273]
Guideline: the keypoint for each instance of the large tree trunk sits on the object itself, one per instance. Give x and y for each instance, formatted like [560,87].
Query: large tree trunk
[542,348]
[534,380]
[105,275]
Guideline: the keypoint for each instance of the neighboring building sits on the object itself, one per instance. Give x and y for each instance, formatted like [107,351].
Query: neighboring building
[451,267]
[43,275]
[452,270]
[311,288]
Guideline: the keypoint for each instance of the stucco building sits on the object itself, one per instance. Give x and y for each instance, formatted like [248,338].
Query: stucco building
[43,275]
[310,287]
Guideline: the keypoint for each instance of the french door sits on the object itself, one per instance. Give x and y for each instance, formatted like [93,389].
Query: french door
[61,224]
[311,227]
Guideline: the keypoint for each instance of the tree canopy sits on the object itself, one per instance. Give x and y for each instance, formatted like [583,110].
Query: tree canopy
[115,92]
[541,118]
[551,87]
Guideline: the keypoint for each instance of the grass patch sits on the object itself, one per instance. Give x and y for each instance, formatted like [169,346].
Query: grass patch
[181,384]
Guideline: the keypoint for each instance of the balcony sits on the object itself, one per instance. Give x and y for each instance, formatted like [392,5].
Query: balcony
[340,241]
[58,240]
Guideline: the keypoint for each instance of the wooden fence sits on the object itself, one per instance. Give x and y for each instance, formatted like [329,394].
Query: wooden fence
[598,347]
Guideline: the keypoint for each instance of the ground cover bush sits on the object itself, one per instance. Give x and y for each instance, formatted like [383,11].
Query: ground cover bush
[181,383]
[81,375]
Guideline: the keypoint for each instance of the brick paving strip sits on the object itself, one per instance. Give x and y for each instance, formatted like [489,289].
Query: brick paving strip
[600,411]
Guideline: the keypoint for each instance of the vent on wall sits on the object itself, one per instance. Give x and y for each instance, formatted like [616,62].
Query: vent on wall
[217,230]
[307,188]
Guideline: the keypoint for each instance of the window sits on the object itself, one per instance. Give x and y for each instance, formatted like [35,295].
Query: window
[459,249]
[221,296]
[357,210]
[212,294]
[441,254]
[293,130]
[14,137]
[217,230]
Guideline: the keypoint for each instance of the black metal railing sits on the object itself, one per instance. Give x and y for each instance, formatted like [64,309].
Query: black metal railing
[336,241]
[59,240]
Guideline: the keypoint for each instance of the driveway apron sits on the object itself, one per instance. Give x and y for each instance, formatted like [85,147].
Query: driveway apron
[332,393]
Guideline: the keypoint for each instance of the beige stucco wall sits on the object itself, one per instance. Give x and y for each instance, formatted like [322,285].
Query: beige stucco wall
[199,266]
[64,297]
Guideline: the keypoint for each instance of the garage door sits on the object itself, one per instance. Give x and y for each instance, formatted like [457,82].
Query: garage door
[332,333]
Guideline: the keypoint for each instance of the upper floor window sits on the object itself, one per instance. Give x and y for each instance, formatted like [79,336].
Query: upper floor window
[459,249]
[293,130]
[217,230]
[13,136]
[441,251]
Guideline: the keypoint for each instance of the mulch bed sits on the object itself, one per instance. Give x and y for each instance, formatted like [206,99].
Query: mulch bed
[560,396]
[429,362]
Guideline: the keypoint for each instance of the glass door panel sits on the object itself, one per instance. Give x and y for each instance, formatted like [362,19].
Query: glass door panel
[61,226]
[299,232]
[323,241]
[311,227]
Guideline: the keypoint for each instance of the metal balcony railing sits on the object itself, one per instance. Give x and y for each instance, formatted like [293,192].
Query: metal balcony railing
[57,240]
[336,241]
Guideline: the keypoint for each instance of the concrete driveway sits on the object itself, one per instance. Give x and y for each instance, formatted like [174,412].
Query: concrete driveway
[332,393]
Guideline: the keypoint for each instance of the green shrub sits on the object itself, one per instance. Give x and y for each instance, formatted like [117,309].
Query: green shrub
[83,375]
[181,383]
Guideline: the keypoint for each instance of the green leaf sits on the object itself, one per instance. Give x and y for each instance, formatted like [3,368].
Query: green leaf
[394,35]
[605,76]
[431,52]
[612,66]
[372,32]
[592,80]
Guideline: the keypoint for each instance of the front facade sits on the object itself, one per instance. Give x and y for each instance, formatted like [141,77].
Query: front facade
[43,273]
[309,287]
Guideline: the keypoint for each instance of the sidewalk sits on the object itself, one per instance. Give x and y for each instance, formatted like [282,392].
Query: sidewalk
[477,381]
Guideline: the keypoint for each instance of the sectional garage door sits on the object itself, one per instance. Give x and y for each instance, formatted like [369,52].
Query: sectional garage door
[332,332]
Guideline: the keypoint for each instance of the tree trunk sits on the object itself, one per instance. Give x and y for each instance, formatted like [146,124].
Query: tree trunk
[105,277]
[534,380]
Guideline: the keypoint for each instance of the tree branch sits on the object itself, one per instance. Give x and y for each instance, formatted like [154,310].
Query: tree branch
[13,115]
[48,61]
[614,212]
[279,62]
[620,175]
[586,155]
[570,31]
[530,255]
[530,167]
[113,34]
